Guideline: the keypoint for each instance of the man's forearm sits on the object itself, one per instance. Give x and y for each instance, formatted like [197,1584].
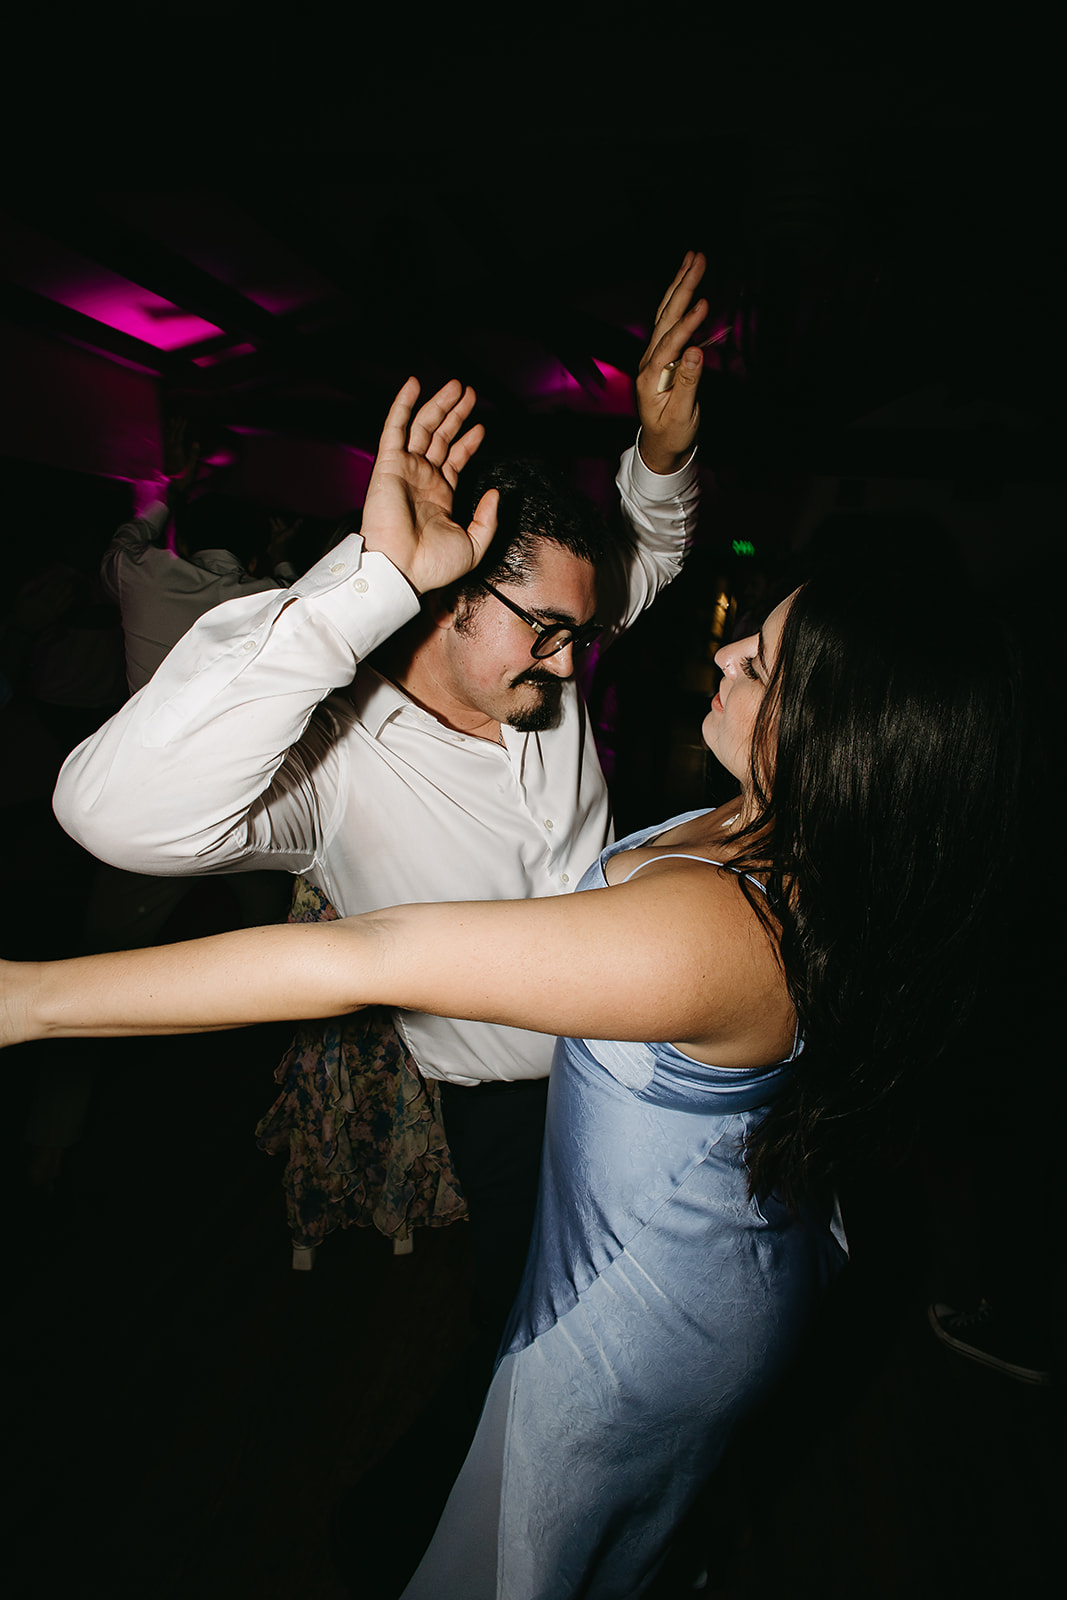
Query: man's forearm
[661,512]
[661,460]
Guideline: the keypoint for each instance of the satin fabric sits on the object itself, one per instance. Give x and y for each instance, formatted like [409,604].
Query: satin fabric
[658,1303]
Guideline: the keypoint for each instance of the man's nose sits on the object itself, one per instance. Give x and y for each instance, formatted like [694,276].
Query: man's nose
[561,662]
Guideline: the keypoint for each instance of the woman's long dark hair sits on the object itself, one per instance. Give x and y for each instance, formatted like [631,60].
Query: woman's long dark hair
[887,759]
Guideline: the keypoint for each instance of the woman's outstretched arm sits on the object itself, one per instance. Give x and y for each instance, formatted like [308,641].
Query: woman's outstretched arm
[675,954]
[229,980]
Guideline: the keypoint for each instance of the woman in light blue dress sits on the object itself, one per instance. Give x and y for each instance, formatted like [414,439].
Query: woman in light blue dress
[659,1302]
[797,957]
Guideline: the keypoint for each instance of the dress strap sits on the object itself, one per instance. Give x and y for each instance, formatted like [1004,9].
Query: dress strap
[681,855]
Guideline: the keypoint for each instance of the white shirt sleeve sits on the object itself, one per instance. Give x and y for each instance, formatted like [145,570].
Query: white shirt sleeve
[131,541]
[659,511]
[202,770]
[222,760]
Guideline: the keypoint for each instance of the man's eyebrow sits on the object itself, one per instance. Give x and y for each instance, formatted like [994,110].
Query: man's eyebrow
[546,614]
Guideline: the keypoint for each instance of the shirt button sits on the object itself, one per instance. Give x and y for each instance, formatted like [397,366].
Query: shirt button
[549,823]
[249,644]
[338,567]
[421,716]
[360,585]
[564,877]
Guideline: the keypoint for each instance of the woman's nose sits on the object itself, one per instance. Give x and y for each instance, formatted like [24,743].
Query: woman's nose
[729,655]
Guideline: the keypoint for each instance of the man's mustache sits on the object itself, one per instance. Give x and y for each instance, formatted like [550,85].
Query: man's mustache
[539,677]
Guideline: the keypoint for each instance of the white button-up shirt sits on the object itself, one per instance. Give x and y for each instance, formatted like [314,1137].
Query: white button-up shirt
[256,744]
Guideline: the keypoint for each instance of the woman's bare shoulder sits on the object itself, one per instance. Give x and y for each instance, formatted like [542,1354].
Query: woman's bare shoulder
[740,1014]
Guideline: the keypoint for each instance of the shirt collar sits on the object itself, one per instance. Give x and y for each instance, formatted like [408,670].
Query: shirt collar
[222,562]
[376,701]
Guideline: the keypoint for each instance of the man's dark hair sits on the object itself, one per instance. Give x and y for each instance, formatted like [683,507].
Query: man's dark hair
[534,505]
[222,522]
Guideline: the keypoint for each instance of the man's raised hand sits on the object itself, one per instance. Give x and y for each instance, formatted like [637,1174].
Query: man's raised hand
[669,412]
[408,511]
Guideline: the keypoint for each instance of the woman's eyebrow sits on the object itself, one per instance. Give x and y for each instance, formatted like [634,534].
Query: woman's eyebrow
[759,652]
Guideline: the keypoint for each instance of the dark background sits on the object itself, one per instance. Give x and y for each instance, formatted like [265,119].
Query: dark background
[500,195]
[503,197]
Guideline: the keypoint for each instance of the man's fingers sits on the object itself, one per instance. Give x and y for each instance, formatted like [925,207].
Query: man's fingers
[483,523]
[687,262]
[690,369]
[447,551]
[461,452]
[676,323]
[432,431]
[436,414]
[671,344]
[682,286]
[437,452]
[395,429]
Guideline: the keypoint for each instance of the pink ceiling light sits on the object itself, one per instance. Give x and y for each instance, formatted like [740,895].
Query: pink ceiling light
[51,269]
[554,385]
[122,305]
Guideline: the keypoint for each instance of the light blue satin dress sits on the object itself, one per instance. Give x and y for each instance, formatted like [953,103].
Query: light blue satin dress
[658,1303]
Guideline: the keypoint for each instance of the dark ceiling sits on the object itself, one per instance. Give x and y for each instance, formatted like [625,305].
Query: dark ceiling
[879,224]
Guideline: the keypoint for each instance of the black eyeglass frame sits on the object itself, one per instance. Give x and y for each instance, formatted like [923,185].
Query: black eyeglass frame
[552,637]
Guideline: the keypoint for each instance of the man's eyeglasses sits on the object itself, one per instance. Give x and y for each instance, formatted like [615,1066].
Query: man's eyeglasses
[552,637]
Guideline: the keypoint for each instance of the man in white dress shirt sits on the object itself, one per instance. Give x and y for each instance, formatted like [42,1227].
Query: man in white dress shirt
[459,764]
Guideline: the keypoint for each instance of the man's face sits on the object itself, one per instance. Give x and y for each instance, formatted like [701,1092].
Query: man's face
[493,670]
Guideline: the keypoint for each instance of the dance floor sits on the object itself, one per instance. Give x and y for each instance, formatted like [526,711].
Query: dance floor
[184,1411]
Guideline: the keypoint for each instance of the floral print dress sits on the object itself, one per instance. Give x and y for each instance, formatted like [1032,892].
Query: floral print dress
[360,1125]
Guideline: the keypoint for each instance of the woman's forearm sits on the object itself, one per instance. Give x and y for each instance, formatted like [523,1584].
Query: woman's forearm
[230,980]
[697,967]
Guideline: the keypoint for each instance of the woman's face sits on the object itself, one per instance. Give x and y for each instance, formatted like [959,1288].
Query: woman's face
[746,667]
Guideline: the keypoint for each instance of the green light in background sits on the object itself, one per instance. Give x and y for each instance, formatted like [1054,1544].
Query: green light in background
[744,547]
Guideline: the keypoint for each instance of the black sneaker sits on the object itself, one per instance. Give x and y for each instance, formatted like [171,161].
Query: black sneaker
[978,1335]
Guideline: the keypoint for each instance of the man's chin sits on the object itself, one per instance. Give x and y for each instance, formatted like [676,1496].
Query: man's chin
[538,717]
